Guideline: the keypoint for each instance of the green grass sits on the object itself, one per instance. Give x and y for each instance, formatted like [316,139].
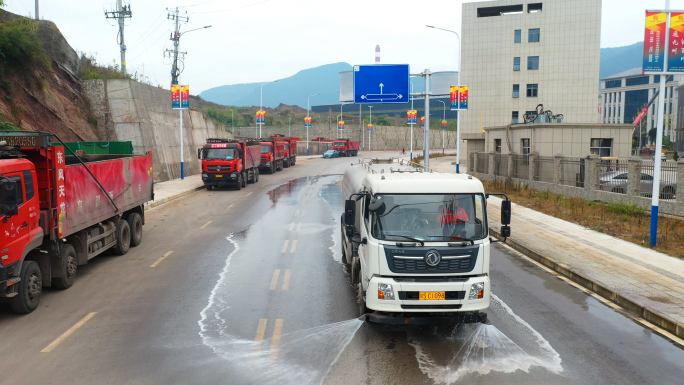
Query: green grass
[626,209]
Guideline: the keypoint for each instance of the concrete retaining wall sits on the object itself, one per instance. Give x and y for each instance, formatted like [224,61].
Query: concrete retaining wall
[130,111]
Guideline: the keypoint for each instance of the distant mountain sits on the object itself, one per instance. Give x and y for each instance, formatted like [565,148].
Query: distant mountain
[325,79]
[293,90]
[620,59]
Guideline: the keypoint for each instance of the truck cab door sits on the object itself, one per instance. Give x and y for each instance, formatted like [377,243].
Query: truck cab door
[14,229]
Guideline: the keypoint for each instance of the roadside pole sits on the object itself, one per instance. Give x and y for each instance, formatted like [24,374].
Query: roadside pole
[181,142]
[426,132]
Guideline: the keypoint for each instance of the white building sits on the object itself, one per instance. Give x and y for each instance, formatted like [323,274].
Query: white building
[517,54]
[624,95]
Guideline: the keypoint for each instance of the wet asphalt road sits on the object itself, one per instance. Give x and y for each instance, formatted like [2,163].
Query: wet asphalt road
[259,295]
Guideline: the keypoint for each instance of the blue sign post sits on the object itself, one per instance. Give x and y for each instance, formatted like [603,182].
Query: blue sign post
[381,84]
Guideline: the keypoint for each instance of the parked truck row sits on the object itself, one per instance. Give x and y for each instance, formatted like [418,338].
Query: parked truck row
[58,211]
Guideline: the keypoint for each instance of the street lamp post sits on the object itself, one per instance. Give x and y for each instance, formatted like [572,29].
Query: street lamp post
[411,158]
[443,118]
[307,127]
[458,80]
[370,121]
[261,103]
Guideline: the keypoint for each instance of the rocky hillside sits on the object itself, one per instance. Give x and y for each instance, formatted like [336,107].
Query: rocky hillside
[44,95]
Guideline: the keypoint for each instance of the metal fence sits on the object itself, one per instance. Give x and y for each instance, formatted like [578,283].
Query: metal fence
[668,179]
[572,172]
[501,165]
[521,166]
[544,169]
[482,163]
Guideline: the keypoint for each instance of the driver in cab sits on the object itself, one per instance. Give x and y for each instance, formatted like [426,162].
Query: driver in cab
[452,217]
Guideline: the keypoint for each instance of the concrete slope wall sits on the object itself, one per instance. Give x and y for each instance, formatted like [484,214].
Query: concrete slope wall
[130,111]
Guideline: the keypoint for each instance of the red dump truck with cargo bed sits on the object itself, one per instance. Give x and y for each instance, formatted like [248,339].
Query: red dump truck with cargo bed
[290,149]
[272,155]
[346,147]
[229,162]
[57,212]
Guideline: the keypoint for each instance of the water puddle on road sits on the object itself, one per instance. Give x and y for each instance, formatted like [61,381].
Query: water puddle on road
[479,349]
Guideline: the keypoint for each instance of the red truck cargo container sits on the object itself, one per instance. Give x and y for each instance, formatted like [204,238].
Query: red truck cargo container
[57,212]
[290,149]
[272,155]
[346,147]
[230,162]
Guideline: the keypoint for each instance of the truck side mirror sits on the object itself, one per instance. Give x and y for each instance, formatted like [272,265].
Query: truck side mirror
[199,153]
[505,231]
[505,212]
[349,211]
[8,198]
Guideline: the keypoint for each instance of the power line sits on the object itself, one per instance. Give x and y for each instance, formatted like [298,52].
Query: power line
[122,12]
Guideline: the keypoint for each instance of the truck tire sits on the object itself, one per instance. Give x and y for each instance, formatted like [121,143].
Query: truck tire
[252,178]
[66,275]
[123,238]
[273,168]
[135,224]
[238,183]
[244,180]
[361,300]
[256,174]
[286,163]
[29,289]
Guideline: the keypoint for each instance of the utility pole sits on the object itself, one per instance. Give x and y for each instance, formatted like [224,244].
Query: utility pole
[122,12]
[37,17]
[175,37]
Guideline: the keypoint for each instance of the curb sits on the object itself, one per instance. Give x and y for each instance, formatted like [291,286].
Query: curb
[153,204]
[645,313]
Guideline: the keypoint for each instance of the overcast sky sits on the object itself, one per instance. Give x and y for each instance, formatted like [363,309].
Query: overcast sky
[261,40]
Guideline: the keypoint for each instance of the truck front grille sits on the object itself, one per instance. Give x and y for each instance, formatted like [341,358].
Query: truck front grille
[412,260]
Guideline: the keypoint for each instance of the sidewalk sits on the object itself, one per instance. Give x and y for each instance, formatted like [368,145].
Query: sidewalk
[642,280]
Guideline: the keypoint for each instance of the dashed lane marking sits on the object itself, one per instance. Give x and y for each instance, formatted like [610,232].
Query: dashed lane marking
[292,226]
[275,342]
[205,225]
[163,257]
[297,213]
[259,336]
[67,333]
[286,280]
[304,211]
[299,226]
[294,247]
[274,280]
[284,249]
[249,194]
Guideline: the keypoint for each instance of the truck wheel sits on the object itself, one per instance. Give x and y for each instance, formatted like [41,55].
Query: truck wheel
[361,300]
[29,289]
[238,184]
[123,238]
[244,180]
[273,169]
[256,175]
[67,268]
[135,224]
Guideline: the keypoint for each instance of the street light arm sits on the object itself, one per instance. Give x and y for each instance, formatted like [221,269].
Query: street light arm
[196,29]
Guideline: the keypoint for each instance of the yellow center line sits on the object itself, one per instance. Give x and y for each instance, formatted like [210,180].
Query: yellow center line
[299,226]
[205,225]
[294,246]
[292,226]
[286,280]
[231,205]
[249,194]
[261,330]
[67,333]
[275,342]
[158,261]
[274,280]
[284,249]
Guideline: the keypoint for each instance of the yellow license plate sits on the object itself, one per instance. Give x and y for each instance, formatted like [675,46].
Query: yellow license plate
[219,176]
[431,295]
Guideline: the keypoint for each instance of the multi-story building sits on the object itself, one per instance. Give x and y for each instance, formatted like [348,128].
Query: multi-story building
[517,54]
[623,96]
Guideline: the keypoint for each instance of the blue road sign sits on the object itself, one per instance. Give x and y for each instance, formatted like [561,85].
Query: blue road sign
[381,84]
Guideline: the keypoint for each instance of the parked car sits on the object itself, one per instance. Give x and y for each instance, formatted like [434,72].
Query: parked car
[331,154]
[616,181]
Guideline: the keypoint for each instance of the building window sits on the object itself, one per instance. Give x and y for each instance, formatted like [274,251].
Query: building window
[534,8]
[637,81]
[525,145]
[516,90]
[516,64]
[517,36]
[514,117]
[533,35]
[533,62]
[602,147]
[530,116]
[614,83]
[532,90]
[497,146]
[500,11]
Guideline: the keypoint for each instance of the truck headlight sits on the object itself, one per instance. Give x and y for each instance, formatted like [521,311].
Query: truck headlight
[385,291]
[476,291]
[205,175]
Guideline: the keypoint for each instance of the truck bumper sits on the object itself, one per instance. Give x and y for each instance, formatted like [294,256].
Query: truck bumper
[216,178]
[265,165]
[406,303]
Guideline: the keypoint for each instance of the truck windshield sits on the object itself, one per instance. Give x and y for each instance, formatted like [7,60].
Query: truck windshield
[338,144]
[430,217]
[265,148]
[219,154]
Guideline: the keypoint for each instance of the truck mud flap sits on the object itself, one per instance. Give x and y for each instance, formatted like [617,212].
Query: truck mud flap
[409,319]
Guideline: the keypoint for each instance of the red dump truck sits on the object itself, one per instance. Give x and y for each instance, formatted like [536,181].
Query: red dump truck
[290,148]
[57,212]
[346,147]
[229,162]
[272,155]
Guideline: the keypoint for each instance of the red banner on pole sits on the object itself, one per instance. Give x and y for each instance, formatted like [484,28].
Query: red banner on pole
[185,96]
[422,122]
[654,42]
[175,97]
